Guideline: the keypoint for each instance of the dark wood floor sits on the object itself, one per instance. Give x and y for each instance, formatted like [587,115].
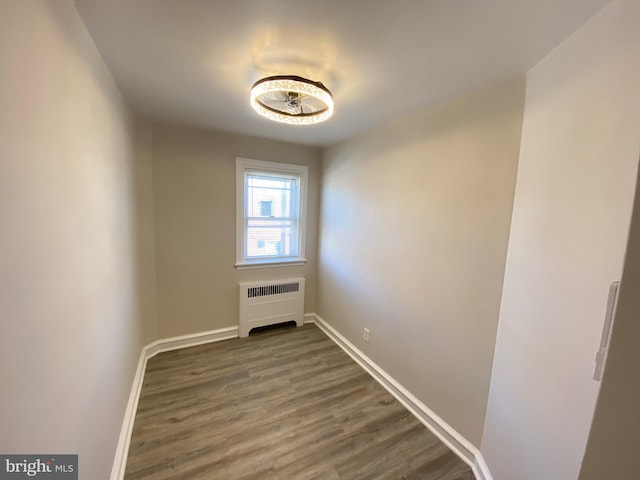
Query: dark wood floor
[284,404]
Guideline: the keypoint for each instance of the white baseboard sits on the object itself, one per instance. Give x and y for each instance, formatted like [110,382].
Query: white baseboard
[441,429]
[481,469]
[122,449]
[191,340]
[149,351]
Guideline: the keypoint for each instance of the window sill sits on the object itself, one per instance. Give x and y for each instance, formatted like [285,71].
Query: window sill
[268,264]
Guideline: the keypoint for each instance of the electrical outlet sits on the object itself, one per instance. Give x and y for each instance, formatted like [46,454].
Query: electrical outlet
[366,334]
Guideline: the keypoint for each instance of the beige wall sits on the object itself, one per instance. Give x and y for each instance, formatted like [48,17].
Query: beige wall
[414,226]
[614,440]
[145,261]
[194,192]
[576,178]
[69,280]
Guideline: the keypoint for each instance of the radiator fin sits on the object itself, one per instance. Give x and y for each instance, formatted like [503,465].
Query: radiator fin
[272,289]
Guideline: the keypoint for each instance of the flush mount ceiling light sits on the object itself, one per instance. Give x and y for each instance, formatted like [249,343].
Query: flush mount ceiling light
[292,99]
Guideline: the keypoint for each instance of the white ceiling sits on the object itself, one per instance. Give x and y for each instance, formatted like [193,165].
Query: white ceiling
[194,61]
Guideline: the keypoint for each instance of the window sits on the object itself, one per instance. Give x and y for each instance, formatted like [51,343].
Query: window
[270,212]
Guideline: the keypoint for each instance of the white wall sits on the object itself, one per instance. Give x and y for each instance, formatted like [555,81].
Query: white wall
[195,210]
[575,186]
[614,440]
[414,228]
[70,276]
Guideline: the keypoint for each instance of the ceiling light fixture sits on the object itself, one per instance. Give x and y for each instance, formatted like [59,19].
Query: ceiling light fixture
[292,99]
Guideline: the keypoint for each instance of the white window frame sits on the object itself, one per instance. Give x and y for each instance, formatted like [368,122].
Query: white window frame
[242,166]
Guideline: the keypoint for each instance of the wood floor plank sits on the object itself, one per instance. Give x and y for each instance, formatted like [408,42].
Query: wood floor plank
[285,404]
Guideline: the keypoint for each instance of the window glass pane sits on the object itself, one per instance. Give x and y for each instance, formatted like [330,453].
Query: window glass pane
[271,196]
[271,239]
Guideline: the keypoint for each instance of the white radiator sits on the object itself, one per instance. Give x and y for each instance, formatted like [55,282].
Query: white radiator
[271,302]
